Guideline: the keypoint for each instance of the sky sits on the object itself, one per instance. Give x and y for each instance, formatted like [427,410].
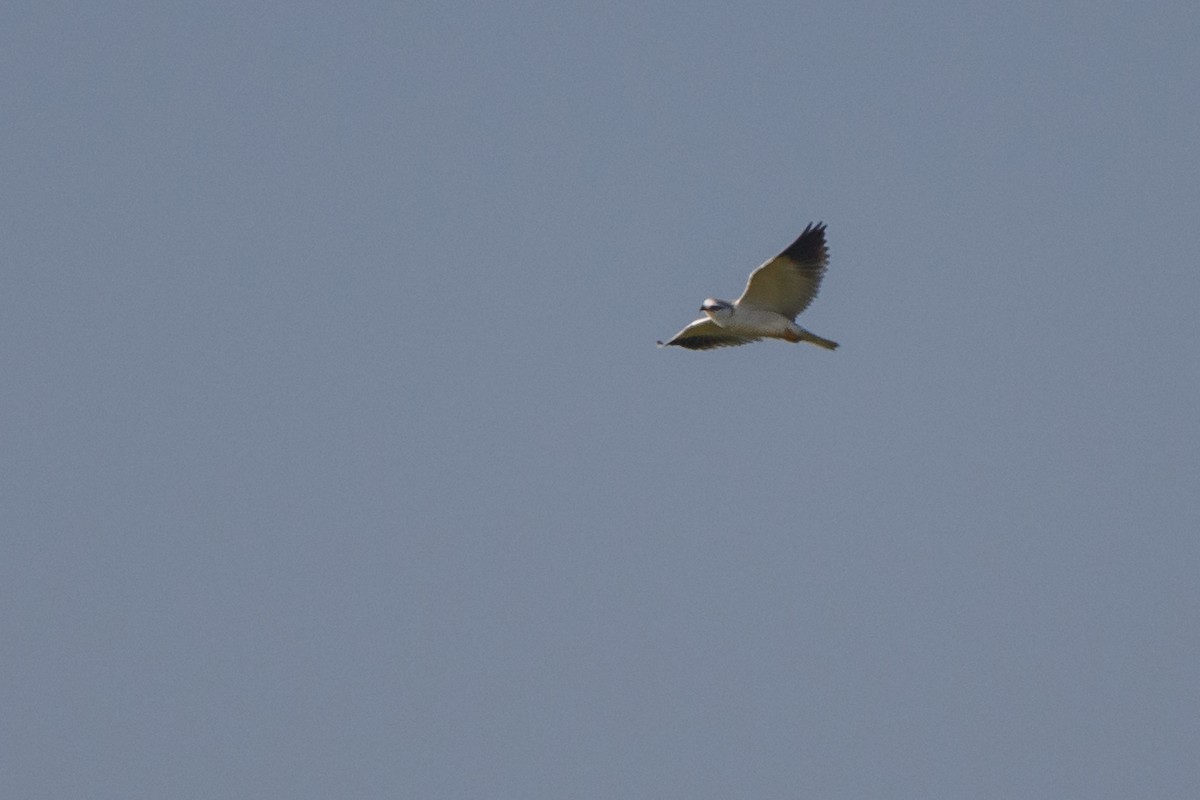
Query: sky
[340,461]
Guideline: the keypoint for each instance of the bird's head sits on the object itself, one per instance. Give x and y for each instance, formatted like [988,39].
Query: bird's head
[717,309]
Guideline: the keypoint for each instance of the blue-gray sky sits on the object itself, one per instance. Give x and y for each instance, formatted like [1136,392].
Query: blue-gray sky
[339,460]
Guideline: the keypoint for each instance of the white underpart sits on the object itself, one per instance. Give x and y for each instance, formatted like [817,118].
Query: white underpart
[754,322]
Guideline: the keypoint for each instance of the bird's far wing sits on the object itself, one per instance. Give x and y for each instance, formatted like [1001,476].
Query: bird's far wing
[789,281]
[704,334]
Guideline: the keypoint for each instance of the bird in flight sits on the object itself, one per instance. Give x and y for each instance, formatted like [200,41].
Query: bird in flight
[775,294]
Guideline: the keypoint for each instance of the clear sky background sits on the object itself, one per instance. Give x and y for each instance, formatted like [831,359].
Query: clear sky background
[339,460]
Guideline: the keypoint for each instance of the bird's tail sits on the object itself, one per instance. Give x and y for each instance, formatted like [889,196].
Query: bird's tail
[808,336]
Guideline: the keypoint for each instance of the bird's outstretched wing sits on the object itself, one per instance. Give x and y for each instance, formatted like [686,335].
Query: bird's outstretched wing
[704,334]
[788,282]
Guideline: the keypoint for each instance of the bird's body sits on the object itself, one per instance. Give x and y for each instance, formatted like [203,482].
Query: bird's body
[775,294]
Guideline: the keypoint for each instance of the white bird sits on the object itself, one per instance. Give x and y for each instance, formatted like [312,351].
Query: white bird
[775,294]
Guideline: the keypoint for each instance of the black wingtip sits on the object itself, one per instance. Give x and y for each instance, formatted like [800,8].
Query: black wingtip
[809,245]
